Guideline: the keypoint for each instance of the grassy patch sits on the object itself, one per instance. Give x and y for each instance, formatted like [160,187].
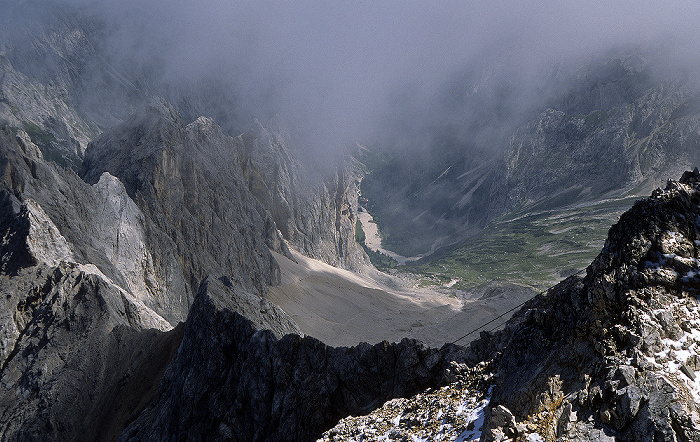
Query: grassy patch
[40,137]
[381,261]
[359,233]
[537,249]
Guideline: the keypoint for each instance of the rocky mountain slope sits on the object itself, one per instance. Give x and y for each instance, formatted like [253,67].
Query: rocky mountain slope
[61,85]
[57,79]
[98,270]
[247,384]
[138,249]
[612,355]
[610,127]
[92,287]
[316,216]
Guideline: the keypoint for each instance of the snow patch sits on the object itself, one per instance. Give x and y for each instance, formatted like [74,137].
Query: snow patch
[676,353]
[476,413]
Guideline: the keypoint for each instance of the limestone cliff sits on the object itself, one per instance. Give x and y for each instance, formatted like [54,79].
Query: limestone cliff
[92,286]
[200,217]
[316,216]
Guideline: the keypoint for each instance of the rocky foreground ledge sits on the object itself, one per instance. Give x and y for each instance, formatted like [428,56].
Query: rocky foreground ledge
[230,381]
[614,355]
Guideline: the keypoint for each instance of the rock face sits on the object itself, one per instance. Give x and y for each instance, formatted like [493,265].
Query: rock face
[96,272]
[70,337]
[72,342]
[615,128]
[317,217]
[92,284]
[608,356]
[67,220]
[248,384]
[201,218]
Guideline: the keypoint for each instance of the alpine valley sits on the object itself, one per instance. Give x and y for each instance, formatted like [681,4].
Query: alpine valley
[174,266]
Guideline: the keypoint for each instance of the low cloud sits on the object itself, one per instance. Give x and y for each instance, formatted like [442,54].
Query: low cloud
[341,71]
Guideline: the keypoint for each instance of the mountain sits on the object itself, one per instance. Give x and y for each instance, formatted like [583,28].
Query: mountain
[97,276]
[316,216]
[611,127]
[168,223]
[94,285]
[611,355]
[160,269]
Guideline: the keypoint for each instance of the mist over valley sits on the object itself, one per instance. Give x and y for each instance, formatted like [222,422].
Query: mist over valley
[267,221]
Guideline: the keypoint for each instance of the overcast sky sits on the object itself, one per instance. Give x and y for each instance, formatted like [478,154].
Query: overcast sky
[334,68]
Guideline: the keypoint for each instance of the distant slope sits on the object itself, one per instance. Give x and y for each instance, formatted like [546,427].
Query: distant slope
[344,308]
[536,247]
[613,128]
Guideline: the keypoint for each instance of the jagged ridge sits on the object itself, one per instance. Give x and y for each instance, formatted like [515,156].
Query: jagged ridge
[612,355]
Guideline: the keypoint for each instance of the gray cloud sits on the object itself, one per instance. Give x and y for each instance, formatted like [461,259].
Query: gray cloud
[334,70]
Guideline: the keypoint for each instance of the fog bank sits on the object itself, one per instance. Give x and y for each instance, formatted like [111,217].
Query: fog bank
[339,72]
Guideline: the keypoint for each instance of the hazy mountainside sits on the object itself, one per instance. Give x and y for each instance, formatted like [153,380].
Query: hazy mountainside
[138,247]
[609,356]
[88,270]
[64,81]
[56,78]
[186,181]
[60,82]
[615,128]
[316,216]
[165,214]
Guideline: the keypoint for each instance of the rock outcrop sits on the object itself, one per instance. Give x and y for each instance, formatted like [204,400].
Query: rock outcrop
[243,383]
[92,285]
[609,356]
[80,356]
[200,217]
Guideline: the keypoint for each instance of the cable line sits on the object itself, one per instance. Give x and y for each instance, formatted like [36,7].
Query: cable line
[483,326]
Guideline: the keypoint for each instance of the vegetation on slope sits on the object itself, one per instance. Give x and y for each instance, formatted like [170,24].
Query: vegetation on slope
[535,248]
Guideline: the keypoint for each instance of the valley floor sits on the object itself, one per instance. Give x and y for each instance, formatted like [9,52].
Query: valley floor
[343,308]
